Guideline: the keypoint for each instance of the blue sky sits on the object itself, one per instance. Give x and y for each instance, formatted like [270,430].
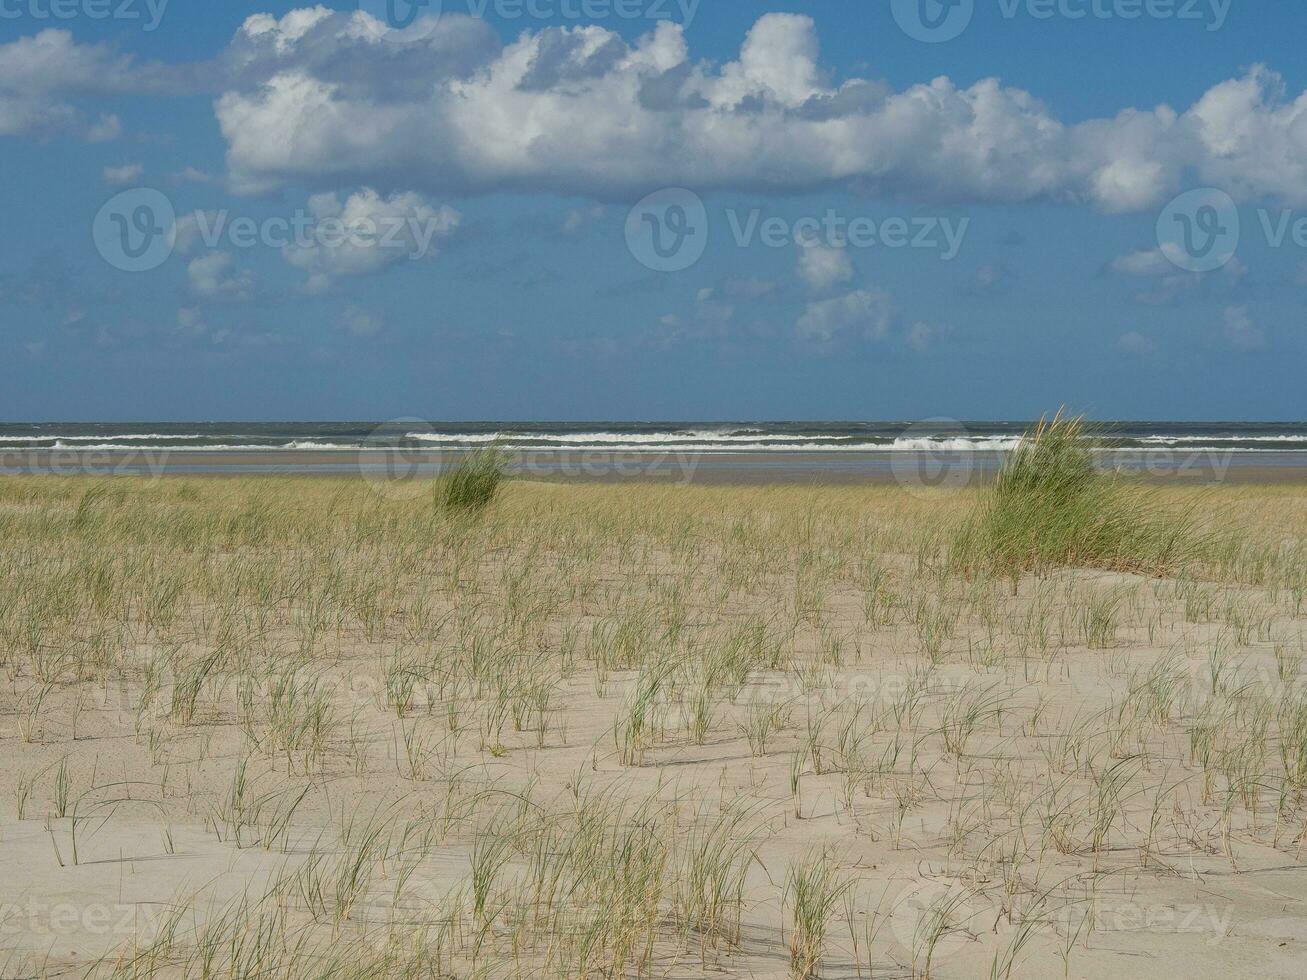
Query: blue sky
[456,220]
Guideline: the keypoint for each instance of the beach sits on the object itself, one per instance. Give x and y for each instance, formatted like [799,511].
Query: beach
[760,730]
[877,467]
[930,454]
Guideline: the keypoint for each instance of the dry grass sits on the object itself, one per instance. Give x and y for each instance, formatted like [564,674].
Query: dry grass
[636,731]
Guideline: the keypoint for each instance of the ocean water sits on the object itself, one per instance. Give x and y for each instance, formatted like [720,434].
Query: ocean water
[930,454]
[629,437]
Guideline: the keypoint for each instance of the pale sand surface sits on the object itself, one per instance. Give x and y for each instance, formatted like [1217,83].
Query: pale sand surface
[427,644]
[1205,467]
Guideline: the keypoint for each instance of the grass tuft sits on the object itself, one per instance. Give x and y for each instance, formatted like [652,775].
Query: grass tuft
[1051,506]
[472,485]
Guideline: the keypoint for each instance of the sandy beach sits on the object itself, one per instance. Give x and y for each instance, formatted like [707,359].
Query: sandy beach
[600,730]
[683,467]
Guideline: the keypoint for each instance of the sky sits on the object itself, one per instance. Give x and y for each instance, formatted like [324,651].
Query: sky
[652,209]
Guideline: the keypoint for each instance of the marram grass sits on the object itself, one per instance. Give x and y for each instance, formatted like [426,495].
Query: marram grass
[1051,506]
[472,485]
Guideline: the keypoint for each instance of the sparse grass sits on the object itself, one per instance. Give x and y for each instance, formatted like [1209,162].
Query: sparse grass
[814,888]
[595,732]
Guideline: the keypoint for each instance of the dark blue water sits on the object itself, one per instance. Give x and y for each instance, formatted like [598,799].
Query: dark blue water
[936,453]
[628,437]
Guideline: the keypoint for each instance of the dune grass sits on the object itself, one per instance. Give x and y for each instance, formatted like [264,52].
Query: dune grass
[472,485]
[627,731]
[1051,506]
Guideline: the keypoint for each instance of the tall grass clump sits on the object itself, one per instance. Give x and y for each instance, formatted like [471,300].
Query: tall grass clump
[471,486]
[813,888]
[1051,506]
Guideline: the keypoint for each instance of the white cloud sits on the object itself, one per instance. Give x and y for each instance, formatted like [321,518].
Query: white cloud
[864,314]
[319,96]
[368,233]
[1241,332]
[39,73]
[107,129]
[191,230]
[1148,264]
[921,336]
[712,309]
[1169,281]
[582,111]
[822,267]
[191,322]
[191,175]
[126,174]
[212,277]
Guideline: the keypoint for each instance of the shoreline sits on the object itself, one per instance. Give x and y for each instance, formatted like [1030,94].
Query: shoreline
[916,469]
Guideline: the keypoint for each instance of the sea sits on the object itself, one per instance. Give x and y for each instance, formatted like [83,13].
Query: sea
[933,450]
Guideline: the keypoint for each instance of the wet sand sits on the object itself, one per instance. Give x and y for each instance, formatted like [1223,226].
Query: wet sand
[923,470]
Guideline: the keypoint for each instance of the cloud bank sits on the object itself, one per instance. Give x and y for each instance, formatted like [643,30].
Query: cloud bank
[335,99]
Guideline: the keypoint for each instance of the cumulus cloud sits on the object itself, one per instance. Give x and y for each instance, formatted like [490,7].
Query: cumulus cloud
[864,314]
[191,322]
[1167,282]
[105,130]
[823,267]
[213,276]
[126,174]
[323,97]
[580,110]
[41,74]
[367,233]
[1148,264]
[191,175]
